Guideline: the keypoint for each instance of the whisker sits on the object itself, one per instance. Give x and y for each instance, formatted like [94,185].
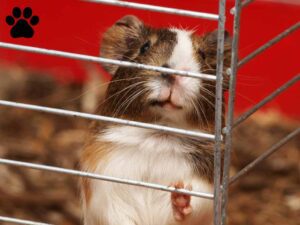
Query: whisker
[128,101]
[198,113]
[133,98]
[128,88]
[119,92]
[99,86]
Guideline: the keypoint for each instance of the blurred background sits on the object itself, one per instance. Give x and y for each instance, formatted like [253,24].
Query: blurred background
[267,195]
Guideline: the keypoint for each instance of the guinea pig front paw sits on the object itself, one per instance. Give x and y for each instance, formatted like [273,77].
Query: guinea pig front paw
[180,202]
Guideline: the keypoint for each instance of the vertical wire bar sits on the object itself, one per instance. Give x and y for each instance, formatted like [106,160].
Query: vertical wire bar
[265,155]
[230,113]
[218,113]
[270,43]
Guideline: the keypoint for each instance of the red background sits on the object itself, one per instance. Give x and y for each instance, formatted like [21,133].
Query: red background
[77,26]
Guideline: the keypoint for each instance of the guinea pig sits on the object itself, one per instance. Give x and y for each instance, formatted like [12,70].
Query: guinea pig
[150,155]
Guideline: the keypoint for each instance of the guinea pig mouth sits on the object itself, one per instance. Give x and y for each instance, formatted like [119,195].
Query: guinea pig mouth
[164,104]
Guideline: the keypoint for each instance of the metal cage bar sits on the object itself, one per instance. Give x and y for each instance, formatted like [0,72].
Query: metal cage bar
[265,155]
[105,60]
[20,221]
[63,112]
[269,44]
[105,178]
[266,100]
[218,113]
[230,113]
[220,192]
[230,124]
[244,3]
[208,16]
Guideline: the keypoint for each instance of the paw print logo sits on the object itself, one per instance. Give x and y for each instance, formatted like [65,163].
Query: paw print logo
[22,22]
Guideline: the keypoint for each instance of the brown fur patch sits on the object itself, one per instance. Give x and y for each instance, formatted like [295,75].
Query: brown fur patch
[206,52]
[123,41]
[94,153]
[118,39]
[202,158]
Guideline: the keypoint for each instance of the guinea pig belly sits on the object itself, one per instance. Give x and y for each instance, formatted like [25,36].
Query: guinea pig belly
[114,204]
[137,154]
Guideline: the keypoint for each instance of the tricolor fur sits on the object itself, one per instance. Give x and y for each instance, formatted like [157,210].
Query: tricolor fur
[149,155]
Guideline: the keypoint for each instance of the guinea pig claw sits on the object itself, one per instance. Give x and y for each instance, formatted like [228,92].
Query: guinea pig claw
[181,202]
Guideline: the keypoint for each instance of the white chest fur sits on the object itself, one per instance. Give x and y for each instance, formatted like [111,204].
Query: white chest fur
[143,155]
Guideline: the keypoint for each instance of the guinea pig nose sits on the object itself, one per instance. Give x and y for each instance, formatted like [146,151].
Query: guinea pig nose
[166,76]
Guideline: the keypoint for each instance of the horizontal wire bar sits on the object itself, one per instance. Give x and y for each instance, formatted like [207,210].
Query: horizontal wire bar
[161,9]
[269,44]
[105,60]
[105,178]
[63,112]
[266,100]
[265,155]
[20,221]
[243,4]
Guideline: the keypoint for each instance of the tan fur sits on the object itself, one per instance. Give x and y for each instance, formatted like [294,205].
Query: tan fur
[125,41]
[208,45]
[93,153]
[116,40]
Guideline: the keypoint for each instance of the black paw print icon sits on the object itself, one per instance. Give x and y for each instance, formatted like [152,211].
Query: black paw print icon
[22,22]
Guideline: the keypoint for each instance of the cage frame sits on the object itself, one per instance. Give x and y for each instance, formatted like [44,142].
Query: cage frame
[221,184]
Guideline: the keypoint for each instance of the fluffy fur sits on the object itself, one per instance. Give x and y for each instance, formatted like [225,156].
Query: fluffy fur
[149,155]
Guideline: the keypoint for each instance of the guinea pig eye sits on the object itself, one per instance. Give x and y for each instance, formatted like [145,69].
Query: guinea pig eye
[145,47]
[202,54]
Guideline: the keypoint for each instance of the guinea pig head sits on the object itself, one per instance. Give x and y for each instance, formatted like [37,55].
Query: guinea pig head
[138,93]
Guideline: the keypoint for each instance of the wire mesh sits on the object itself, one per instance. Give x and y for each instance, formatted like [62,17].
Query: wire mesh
[265,155]
[104,60]
[63,112]
[269,44]
[220,191]
[232,72]
[104,178]
[267,99]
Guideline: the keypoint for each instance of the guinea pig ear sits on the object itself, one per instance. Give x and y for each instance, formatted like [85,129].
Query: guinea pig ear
[212,37]
[120,40]
[210,51]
